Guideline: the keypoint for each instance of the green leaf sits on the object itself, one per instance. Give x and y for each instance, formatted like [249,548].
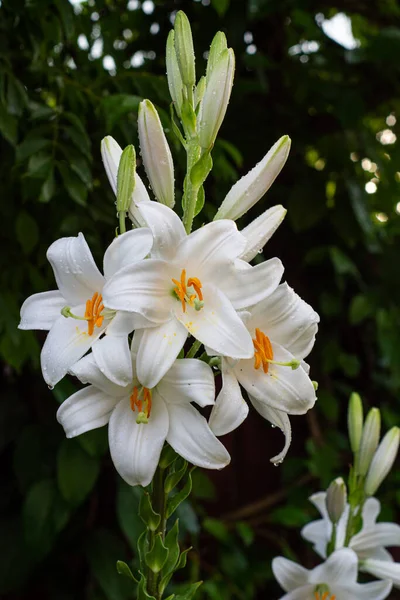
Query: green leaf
[176,500]
[8,126]
[76,472]
[190,592]
[221,6]
[67,18]
[118,105]
[201,169]
[217,529]
[246,532]
[182,559]
[94,442]
[168,456]
[147,514]
[39,165]
[157,555]
[128,499]
[171,542]
[27,231]
[124,569]
[75,188]
[48,188]
[174,478]
[142,592]
[200,201]
[143,548]
[360,309]
[103,549]
[16,96]
[31,145]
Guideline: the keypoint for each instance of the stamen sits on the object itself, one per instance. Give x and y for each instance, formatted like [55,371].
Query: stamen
[142,401]
[264,355]
[323,596]
[93,313]
[189,292]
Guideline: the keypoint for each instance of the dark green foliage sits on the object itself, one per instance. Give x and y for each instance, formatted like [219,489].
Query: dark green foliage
[66,518]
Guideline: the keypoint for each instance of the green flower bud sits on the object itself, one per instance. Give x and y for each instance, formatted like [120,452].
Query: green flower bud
[175,84]
[355,418]
[184,49]
[126,179]
[369,441]
[383,461]
[336,498]
[218,45]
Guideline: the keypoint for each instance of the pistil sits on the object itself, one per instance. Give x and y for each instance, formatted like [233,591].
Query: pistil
[264,354]
[189,292]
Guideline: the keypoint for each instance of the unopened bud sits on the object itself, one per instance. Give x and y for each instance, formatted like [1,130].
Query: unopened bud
[218,45]
[216,98]
[355,418]
[251,187]
[199,91]
[184,49]
[261,230]
[157,158]
[369,441]
[175,84]
[382,461]
[336,498]
[126,179]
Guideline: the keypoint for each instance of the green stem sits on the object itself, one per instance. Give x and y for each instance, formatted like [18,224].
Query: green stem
[194,349]
[122,217]
[159,503]
[191,192]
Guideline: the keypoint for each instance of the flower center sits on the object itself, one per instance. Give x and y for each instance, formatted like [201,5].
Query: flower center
[189,292]
[323,596]
[94,314]
[141,400]
[264,354]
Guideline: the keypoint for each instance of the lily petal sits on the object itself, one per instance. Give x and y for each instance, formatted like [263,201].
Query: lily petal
[136,448]
[143,288]
[289,574]
[190,436]
[66,342]
[124,323]
[88,409]
[39,311]
[88,371]
[127,249]
[157,349]
[217,325]
[279,419]
[376,590]
[383,570]
[371,511]
[303,593]
[248,286]
[317,533]
[76,273]
[380,534]
[230,409]
[341,566]
[113,356]
[167,229]
[259,231]
[281,388]
[188,380]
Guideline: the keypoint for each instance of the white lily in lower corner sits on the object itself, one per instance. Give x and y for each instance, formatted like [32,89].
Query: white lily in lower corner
[369,543]
[335,579]
[75,315]
[190,285]
[283,329]
[140,420]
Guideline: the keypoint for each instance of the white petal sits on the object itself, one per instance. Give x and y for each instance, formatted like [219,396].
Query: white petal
[259,231]
[305,592]
[88,371]
[214,244]
[340,568]
[317,533]
[124,323]
[289,574]
[246,287]
[287,320]
[217,325]
[380,534]
[188,380]
[278,419]
[377,590]
[383,570]
[144,288]
[190,436]
[113,356]
[319,501]
[250,188]
[166,227]
[376,553]
[66,343]
[371,510]
[88,409]
[282,387]
[157,349]
[127,249]
[39,311]
[76,273]
[230,409]
[136,448]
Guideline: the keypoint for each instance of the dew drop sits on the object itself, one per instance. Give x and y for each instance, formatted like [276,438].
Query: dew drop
[51,387]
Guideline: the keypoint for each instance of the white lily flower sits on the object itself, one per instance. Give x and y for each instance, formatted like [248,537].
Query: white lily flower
[251,187]
[335,579]
[157,157]
[283,329]
[111,153]
[259,231]
[190,285]
[75,315]
[369,543]
[140,419]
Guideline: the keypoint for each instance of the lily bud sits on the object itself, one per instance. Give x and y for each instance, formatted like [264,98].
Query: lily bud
[216,98]
[218,45]
[369,440]
[175,84]
[156,154]
[355,419]
[336,498]
[251,187]
[383,461]
[184,49]
[261,230]
[126,178]
[199,91]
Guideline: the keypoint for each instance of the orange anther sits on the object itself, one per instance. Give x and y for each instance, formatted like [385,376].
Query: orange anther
[141,400]
[263,354]
[93,315]
[181,290]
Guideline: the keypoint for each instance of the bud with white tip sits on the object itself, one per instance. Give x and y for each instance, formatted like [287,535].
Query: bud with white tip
[355,417]
[218,45]
[157,158]
[251,187]
[336,498]
[184,49]
[126,179]
[175,84]
[369,441]
[259,231]
[383,461]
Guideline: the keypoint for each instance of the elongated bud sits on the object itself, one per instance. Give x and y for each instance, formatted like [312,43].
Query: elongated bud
[251,187]
[199,91]
[336,498]
[156,154]
[369,440]
[175,84]
[218,45]
[383,461]
[355,417]
[126,178]
[259,231]
[184,49]
[216,98]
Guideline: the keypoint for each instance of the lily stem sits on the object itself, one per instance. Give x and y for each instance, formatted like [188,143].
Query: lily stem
[194,349]
[122,225]
[190,191]
[159,503]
